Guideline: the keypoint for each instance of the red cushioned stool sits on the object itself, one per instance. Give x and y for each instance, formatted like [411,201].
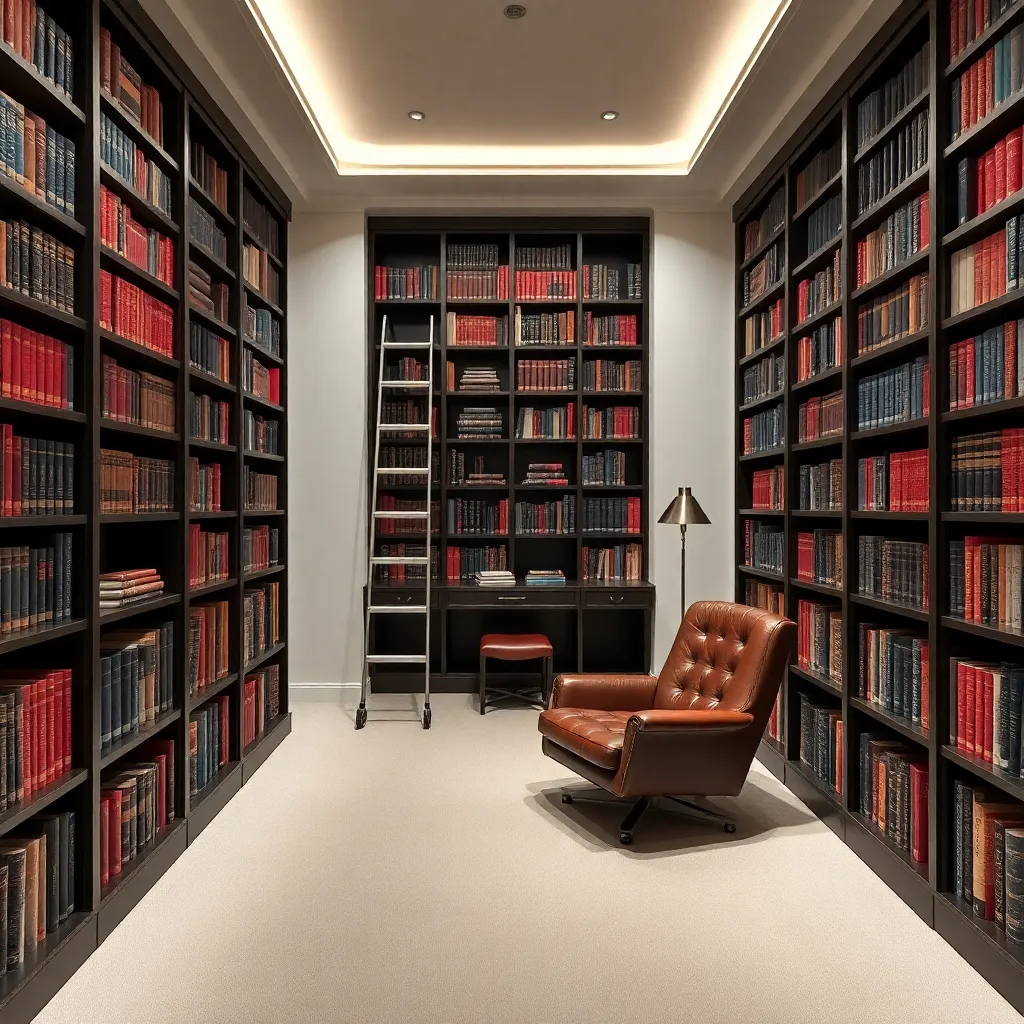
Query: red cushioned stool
[516,647]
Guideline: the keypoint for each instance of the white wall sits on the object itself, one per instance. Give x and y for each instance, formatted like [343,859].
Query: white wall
[691,429]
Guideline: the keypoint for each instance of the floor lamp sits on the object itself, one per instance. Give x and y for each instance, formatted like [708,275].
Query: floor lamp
[684,510]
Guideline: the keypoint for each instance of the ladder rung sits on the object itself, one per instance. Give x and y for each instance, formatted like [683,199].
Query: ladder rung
[396,659]
[397,609]
[399,560]
[400,515]
[406,384]
[408,344]
[411,471]
[389,427]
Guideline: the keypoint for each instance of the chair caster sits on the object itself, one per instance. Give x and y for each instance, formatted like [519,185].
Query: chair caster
[730,827]
[566,798]
[625,838]
[360,717]
[426,718]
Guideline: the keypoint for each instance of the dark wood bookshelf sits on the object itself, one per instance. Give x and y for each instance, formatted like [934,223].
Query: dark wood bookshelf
[926,888]
[106,542]
[587,631]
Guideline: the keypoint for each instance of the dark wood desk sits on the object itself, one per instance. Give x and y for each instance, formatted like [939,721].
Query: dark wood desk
[593,627]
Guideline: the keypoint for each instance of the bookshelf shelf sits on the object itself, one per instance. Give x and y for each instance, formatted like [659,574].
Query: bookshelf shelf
[765,298]
[762,248]
[920,103]
[824,682]
[248,396]
[869,829]
[986,312]
[773,346]
[32,206]
[908,730]
[196,191]
[212,689]
[38,94]
[905,610]
[908,189]
[255,574]
[152,604]
[982,769]
[818,442]
[40,634]
[262,352]
[817,379]
[147,212]
[832,185]
[139,517]
[996,29]
[905,517]
[892,428]
[812,513]
[758,511]
[892,348]
[41,799]
[1012,405]
[16,302]
[257,241]
[210,260]
[818,588]
[134,428]
[775,396]
[982,517]
[226,514]
[819,256]
[125,746]
[254,293]
[212,587]
[213,446]
[988,129]
[264,456]
[764,574]
[987,223]
[884,282]
[806,325]
[51,522]
[139,351]
[202,377]
[266,655]
[125,268]
[1001,634]
[139,136]
[211,321]
[18,408]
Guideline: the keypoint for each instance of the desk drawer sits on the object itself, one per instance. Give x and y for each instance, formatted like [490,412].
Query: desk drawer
[397,598]
[496,599]
[618,598]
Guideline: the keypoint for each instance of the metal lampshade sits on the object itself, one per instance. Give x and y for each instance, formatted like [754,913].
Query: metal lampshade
[684,510]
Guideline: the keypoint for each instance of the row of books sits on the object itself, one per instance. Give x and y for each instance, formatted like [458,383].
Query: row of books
[35,36]
[129,162]
[545,285]
[894,792]
[817,293]
[768,596]
[757,232]
[985,701]
[819,351]
[988,471]
[763,378]
[474,330]
[134,98]
[884,104]
[35,584]
[209,742]
[603,282]
[205,232]
[406,525]
[904,154]
[819,557]
[987,269]
[824,224]
[473,256]
[616,422]
[260,273]
[402,573]
[204,293]
[209,556]
[209,352]
[409,410]
[547,517]
[136,680]
[988,856]
[261,223]
[262,328]
[821,416]
[147,248]
[39,159]
[819,639]
[259,490]
[209,419]
[480,423]
[970,19]
[549,424]
[617,329]
[767,272]
[544,328]
[35,731]
[902,235]
[204,486]
[546,374]
[764,431]
[821,486]
[545,257]
[612,515]
[260,547]
[418,282]
[260,620]
[37,884]
[985,581]
[473,515]
[988,367]
[127,587]
[464,563]
[895,571]
[35,367]
[208,644]
[893,672]
[819,170]
[893,482]
[208,174]
[37,476]
[135,315]
[894,316]
[764,546]
[36,264]
[406,368]
[544,578]
[259,380]
[261,702]
[821,741]
[457,468]
[989,81]
[761,329]
[607,468]
[614,563]
[986,180]
[898,395]
[141,398]
[608,375]
[132,483]
[260,433]
[768,488]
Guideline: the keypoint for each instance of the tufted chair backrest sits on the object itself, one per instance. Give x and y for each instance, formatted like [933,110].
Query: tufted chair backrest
[725,656]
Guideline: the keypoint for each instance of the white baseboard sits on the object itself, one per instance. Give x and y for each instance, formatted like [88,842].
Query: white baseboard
[320,692]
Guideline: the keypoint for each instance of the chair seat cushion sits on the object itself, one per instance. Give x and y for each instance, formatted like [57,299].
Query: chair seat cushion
[515,646]
[596,736]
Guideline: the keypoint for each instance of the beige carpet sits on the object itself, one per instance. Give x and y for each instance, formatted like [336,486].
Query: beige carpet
[396,875]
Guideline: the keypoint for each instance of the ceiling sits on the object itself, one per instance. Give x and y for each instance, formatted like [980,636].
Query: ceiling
[706,90]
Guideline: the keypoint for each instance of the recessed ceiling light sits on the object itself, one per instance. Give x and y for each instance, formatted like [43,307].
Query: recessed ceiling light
[515,11]
[609,115]
[417,115]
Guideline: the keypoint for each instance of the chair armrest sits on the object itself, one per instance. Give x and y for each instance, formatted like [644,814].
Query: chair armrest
[604,692]
[691,721]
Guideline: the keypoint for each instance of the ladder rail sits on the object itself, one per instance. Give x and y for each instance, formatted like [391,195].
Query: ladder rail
[429,534]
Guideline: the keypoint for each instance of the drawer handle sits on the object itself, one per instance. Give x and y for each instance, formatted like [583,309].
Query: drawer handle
[616,598]
[407,599]
[506,597]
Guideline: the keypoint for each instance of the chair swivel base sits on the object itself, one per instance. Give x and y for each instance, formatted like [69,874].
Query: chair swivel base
[596,795]
[499,698]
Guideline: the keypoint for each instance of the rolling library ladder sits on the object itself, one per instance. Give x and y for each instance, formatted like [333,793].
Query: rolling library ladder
[390,344]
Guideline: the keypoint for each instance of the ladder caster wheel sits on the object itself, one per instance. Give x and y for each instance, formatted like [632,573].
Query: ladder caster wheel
[426,718]
[566,798]
[625,838]
[730,827]
[360,717]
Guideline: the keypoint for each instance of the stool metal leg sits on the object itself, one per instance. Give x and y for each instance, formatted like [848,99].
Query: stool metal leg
[547,672]
[483,683]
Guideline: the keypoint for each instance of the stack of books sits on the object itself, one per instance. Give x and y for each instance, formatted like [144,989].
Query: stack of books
[479,378]
[479,423]
[495,578]
[119,589]
[545,474]
[545,578]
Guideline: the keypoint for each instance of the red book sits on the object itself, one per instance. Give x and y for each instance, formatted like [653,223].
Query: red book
[104,843]
[919,812]
[990,74]
[969,719]
[1000,170]
[954,26]
[114,833]
[986,715]
[925,687]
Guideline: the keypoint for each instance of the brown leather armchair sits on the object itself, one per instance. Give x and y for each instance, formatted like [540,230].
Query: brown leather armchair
[693,730]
